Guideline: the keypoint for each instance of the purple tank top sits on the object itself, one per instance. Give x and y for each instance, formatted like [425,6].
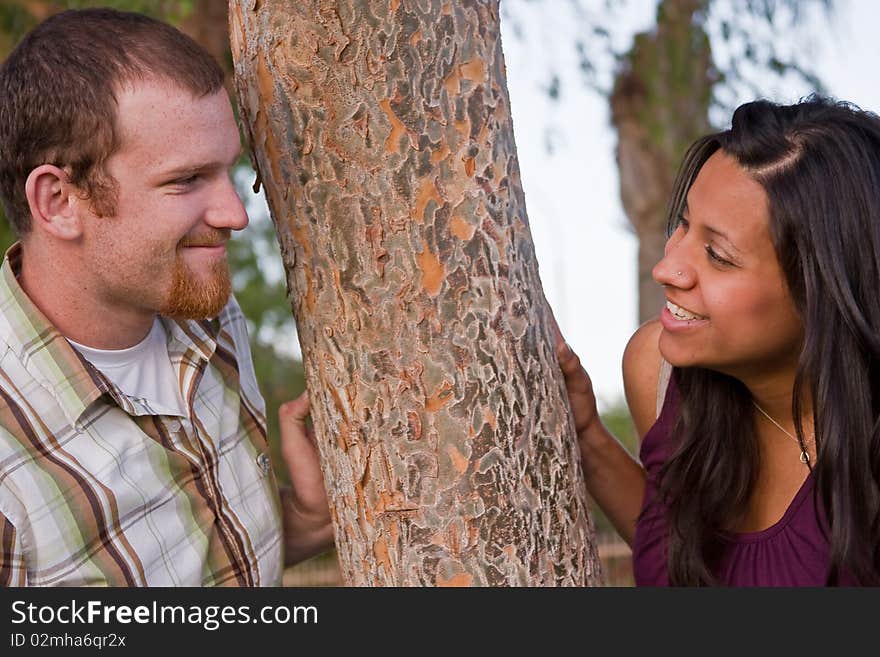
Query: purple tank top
[792,552]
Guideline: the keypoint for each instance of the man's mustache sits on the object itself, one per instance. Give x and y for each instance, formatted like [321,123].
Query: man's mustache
[214,237]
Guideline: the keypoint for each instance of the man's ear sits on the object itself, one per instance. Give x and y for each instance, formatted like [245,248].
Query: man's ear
[53,202]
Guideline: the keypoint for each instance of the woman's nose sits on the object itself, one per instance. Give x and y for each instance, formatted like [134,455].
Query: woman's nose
[673,270]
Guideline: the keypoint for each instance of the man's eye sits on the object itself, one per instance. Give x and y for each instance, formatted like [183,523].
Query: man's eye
[189,180]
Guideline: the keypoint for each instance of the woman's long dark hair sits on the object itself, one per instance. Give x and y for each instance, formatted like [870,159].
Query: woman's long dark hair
[819,164]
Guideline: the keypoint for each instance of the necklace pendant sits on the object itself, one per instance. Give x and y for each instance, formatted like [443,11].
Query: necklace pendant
[805,458]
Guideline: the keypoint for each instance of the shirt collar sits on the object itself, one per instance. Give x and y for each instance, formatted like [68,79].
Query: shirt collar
[199,336]
[60,368]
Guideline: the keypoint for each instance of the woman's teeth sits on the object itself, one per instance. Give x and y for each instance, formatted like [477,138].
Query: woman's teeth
[680,313]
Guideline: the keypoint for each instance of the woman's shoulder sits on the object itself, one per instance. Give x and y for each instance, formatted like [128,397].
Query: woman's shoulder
[641,373]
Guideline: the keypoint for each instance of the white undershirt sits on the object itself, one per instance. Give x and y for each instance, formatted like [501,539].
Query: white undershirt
[143,372]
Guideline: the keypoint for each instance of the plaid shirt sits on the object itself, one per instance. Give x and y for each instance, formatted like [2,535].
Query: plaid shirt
[95,489]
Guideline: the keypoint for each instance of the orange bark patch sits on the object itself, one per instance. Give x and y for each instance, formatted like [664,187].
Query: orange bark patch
[415,422]
[311,299]
[375,235]
[490,418]
[237,34]
[474,70]
[393,532]
[380,551]
[442,396]
[337,283]
[452,82]
[454,542]
[459,462]
[301,236]
[393,5]
[362,502]
[392,501]
[432,270]
[427,192]
[265,82]
[440,154]
[397,128]
[266,86]
[460,580]
[461,229]
[469,166]
[415,38]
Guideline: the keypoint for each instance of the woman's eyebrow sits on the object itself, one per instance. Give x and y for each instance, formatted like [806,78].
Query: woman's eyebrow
[720,233]
[711,229]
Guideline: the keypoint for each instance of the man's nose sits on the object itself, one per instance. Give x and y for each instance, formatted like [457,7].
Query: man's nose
[227,209]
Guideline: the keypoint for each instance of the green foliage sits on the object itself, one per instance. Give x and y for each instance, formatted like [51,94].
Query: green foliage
[7,235]
[19,16]
[281,378]
[618,421]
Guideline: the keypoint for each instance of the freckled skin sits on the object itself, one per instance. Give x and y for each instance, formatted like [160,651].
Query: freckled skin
[138,255]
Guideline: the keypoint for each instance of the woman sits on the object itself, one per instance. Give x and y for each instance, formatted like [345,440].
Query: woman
[763,465]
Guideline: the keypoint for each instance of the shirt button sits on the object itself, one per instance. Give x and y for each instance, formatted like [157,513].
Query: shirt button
[264,463]
[174,426]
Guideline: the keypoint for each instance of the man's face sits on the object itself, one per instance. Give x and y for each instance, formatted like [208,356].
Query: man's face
[163,249]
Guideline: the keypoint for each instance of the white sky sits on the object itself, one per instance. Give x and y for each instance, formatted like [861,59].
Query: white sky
[585,249]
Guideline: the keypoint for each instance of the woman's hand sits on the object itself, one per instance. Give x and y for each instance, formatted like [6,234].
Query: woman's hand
[614,479]
[579,387]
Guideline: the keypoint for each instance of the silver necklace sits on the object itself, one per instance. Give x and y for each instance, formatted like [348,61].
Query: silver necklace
[805,458]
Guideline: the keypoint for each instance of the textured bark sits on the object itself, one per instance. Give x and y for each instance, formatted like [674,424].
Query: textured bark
[381,131]
[659,106]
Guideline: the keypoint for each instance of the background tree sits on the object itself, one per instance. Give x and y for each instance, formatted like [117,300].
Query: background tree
[669,82]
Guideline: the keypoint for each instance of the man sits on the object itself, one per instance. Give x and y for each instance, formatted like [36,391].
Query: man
[132,431]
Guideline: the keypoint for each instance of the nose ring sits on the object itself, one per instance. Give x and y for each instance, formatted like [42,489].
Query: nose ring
[678,273]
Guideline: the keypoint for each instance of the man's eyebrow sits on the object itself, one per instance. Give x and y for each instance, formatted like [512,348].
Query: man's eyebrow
[197,167]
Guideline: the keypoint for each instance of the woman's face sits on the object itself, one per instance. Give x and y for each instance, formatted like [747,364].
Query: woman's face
[728,306]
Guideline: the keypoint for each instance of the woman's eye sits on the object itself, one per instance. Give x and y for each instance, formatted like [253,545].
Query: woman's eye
[714,256]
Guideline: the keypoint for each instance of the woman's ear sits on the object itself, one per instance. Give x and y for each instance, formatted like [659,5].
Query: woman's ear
[52,202]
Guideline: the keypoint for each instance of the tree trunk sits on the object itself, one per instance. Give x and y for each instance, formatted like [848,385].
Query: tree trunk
[659,106]
[381,131]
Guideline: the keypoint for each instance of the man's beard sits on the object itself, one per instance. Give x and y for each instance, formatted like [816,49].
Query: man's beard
[193,297]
